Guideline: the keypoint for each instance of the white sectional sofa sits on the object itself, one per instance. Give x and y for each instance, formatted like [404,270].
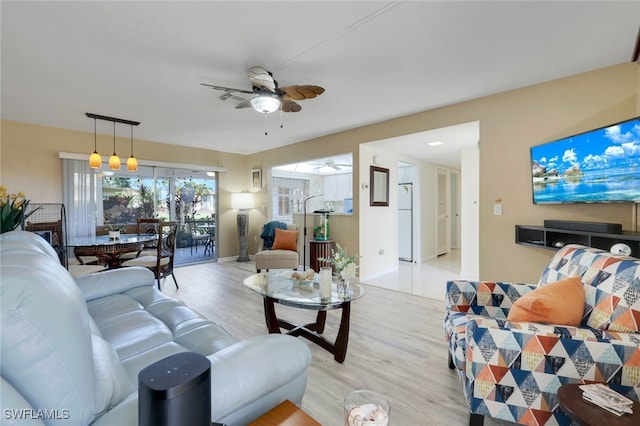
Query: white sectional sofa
[71,348]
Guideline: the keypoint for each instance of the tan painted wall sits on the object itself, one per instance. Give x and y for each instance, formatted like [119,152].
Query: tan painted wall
[510,123]
[29,162]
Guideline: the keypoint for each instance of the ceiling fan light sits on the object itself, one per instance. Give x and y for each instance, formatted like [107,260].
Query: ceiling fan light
[265,104]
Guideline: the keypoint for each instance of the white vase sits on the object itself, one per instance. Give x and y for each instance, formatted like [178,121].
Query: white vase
[114,235]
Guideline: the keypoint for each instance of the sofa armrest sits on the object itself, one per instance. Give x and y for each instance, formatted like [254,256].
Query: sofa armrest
[252,369]
[114,281]
[15,408]
[488,298]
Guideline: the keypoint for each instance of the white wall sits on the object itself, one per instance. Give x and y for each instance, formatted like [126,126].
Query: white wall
[470,214]
[428,211]
[378,225]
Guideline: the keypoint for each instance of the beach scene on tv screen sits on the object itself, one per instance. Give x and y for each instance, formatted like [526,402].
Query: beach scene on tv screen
[599,166]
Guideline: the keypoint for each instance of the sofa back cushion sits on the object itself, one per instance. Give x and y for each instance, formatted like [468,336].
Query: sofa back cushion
[611,284]
[51,354]
[26,241]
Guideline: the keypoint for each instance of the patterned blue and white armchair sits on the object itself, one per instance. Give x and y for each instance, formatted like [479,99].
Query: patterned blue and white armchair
[512,370]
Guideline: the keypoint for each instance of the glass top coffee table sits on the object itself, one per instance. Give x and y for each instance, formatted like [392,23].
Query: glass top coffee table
[274,287]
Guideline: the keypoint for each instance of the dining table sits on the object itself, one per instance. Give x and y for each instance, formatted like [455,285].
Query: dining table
[108,249]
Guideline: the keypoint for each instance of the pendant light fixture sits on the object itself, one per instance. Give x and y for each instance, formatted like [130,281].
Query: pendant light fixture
[132,163]
[114,160]
[95,160]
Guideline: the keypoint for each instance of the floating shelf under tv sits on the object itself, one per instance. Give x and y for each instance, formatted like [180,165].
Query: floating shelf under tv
[554,238]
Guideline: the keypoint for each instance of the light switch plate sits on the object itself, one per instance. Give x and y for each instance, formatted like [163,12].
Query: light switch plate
[497,209]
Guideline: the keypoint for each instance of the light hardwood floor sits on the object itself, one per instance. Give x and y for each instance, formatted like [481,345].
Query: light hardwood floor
[396,343]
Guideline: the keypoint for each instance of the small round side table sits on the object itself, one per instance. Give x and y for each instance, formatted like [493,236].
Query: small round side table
[588,414]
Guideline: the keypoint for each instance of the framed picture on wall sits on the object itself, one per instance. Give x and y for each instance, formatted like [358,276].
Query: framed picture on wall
[379,186]
[256,179]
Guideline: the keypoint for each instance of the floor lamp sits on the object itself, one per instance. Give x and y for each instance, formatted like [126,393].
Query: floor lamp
[242,201]
[304,232]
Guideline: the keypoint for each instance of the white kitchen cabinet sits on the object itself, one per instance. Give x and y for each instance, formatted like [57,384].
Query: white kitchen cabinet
[337,187]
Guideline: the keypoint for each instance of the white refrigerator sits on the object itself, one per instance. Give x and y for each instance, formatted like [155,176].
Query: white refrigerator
[405,222]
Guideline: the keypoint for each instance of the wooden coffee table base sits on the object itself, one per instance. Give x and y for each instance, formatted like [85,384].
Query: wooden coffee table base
[312,331]
[285,414]
[586,413]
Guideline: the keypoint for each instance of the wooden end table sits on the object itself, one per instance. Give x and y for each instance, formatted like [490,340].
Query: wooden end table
[285,414]
[588,414]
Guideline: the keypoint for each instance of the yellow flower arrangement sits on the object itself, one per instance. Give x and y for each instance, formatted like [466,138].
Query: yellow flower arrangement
[11,207]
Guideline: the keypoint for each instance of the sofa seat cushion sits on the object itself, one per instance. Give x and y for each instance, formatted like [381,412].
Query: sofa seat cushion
[132,332]
[276,259]
[142,319]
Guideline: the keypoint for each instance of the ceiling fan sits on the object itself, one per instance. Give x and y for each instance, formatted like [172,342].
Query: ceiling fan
[331,163]
[269,96]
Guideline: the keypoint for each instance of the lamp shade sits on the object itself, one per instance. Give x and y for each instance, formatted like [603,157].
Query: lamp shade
[132,164]
[95,160]
[242,200]
[265,104]
[114,162]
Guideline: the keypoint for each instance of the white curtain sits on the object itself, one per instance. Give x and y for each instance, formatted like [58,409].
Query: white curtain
[80,193]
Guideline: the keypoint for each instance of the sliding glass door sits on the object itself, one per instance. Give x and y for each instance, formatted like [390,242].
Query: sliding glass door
[106,199]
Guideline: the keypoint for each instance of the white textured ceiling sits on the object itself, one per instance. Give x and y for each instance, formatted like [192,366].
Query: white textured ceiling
[144,61]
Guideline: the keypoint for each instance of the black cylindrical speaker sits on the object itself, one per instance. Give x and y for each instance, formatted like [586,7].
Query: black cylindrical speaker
[175,391]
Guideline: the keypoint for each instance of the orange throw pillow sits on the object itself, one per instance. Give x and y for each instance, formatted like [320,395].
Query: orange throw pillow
[561,302]
[285,240]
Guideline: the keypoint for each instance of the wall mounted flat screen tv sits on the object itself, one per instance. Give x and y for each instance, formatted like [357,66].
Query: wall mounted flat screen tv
[598,166]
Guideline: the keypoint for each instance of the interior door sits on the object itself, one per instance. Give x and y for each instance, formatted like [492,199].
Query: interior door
[444,219]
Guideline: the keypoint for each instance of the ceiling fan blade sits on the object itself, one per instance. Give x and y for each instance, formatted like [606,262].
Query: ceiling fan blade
[290,106]
[244,104]
[301,92]
[262,78]
[226,89]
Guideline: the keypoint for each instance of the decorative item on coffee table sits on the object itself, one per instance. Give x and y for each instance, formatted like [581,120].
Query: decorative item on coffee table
[344,265]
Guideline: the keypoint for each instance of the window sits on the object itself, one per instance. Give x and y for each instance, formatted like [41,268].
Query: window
[326,184]
[288,194]
[120,197]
